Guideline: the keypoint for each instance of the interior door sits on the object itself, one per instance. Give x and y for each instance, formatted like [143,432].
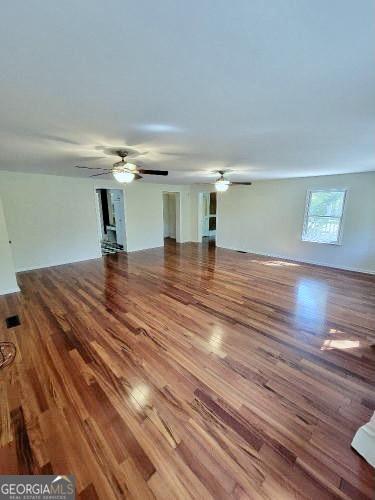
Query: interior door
[206,214]
[119,213]
[209,214]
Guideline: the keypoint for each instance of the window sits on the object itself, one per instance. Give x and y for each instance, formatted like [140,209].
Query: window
[323,217]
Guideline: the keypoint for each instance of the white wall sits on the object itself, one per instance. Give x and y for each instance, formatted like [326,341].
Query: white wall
[172,199]
[166,215]
[267,218]
[144,215]
[53,220]
[8,283]
[185,214]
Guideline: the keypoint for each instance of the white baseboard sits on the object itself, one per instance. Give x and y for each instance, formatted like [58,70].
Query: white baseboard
[10,290]
[271,255]
[302,261]
[140,249]
[54,264]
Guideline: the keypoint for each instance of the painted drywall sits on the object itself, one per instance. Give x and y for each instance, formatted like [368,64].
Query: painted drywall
[53,220]
[144,215]
[185,214]
[267,218]
[8,282]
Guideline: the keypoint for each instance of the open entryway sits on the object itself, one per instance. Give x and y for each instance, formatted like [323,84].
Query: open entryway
[111,215]
[207,217]
[171,216]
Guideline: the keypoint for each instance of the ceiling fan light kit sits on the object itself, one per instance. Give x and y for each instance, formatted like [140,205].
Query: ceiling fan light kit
[123,176]
[123,171]
[126,172]
[222,185]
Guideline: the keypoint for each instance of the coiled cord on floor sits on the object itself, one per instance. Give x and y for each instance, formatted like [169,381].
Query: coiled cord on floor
[8,352]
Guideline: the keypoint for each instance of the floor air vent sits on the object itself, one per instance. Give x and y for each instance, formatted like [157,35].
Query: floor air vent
[12,321]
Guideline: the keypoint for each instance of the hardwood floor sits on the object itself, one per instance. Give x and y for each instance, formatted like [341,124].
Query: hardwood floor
[191,372]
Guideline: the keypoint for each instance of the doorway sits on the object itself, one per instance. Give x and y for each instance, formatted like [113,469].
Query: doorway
[111,214]
[208,217]
[171,216]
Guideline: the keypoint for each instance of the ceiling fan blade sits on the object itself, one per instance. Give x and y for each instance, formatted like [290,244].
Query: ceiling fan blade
[241,183]
[137,177]
[92,168]
[152,172]
[57,138]
[102,173]
[93,158]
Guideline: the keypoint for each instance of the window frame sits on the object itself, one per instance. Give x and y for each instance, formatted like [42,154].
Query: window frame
[341,219]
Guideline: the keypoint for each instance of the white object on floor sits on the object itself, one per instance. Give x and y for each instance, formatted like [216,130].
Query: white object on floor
[364,441]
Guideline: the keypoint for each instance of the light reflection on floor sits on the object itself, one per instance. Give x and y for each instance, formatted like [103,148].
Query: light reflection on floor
[311,305]
[141,394]
[215,340]
[276,263]
[339,344]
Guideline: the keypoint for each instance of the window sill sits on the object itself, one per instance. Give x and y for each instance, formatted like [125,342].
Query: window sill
[336,244]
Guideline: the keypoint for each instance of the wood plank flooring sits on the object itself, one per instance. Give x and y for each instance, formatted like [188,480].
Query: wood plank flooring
[191,372]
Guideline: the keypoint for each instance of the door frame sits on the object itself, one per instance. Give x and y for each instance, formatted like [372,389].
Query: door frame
[200,214]
[178,213]
[117,224]
[98,226]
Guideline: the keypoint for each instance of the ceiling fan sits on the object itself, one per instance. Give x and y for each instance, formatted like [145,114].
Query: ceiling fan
[222,184]
[124,171]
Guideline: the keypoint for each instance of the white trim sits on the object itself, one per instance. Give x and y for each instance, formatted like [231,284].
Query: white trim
[199,233]
[300,261]
[178,217]
[98,224]
[200,217]
[178,209]
[33,268]
[98,229]
[341,221]
[273,256]
[10,290]
[148,248]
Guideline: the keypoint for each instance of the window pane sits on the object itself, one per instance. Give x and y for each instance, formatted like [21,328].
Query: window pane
[327,203]
[322,229]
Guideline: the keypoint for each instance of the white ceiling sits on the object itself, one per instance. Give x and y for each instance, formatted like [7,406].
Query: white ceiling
[267,88]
